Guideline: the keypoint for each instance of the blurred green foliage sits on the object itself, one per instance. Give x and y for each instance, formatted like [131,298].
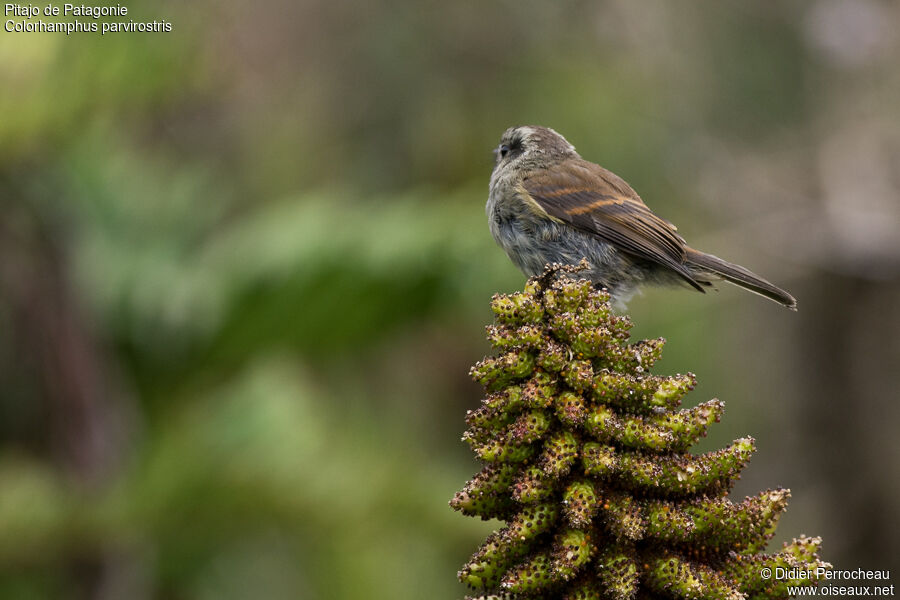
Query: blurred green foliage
[245,269]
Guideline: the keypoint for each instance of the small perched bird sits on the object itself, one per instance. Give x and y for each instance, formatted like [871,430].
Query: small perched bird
[549,205]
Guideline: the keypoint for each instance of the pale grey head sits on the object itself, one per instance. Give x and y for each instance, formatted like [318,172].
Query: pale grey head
[529,146]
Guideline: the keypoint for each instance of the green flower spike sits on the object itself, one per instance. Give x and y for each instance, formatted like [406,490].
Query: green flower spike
[587,462]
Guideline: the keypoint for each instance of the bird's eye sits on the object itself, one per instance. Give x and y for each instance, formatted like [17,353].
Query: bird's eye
[504,150]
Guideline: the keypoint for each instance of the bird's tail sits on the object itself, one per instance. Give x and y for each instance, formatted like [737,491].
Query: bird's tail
[739,276]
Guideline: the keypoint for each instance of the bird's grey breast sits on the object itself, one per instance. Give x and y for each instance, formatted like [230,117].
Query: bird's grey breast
[504,207]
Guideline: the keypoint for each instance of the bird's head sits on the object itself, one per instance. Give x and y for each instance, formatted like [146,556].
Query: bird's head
[531,144]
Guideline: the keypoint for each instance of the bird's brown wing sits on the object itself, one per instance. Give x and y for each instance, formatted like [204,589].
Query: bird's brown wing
[592,199]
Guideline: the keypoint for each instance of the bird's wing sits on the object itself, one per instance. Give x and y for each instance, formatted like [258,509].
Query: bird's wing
[592,199]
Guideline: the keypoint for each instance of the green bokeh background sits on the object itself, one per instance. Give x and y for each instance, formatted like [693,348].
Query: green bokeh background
[244,268]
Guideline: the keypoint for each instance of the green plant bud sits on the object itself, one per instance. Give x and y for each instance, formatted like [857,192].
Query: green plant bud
[532,485]
[621,326]
[656,433]
[520,428]
[644,435]
[503,451]
[584,589]
[485,495]
[529,427]
[495,373]
[673,389]
[487,506]
[552,357]
[797,558]
[484,418]
[503,548]
[580,503]
[572,549]
[618,572]
[507,400]
[593,342]
[496,411]
[634,394]
[598,459]
[507,338]
[578,375]
[689,425]
[804,549]
[595,310]
[566,296]
[540,391]
[623,516]
[724,526]
[675,577]
[477,436]
[533,520]
[533,575]
[604,425]
[758,515]
[635,358]
[684,475]
[667,522]
[534,287]
[564,327]
[516,309]
[571,409]
[486,567]
[559,454]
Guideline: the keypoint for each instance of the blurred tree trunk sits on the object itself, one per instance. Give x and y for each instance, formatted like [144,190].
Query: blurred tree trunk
[846,419]
[87,419]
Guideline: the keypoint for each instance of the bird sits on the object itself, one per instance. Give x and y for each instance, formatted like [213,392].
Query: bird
[548,205]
